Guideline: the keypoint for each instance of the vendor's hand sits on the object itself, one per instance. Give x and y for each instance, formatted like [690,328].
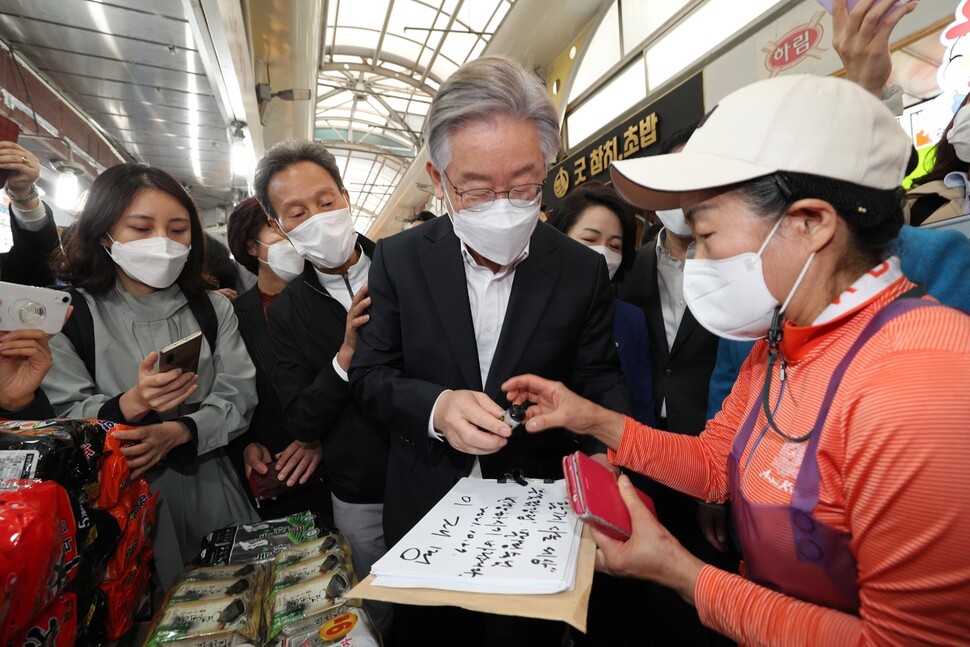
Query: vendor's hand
[150,444]
[651,553]
[713,522]
[356,317]
[298,461]
[557,406]
[24,170]
[470,422]
[155,391]
[256,457]
[861,38]
[25,358]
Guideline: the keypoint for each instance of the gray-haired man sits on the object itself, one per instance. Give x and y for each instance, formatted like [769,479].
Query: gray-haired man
[464,302]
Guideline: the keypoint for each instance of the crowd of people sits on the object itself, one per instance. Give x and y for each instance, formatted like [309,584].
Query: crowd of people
[783,369]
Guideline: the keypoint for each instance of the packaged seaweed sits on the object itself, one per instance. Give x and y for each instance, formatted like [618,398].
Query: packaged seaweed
[258,542]
[206,620]
[333,543]
[293,601]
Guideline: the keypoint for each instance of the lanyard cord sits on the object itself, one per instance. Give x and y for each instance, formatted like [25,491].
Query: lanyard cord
[774,338]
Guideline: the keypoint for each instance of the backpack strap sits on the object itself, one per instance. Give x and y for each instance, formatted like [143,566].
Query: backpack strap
[205,315]
[79,330]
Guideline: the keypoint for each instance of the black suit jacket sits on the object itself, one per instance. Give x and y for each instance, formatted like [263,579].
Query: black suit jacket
[420,341]
[27,261]
[681,374]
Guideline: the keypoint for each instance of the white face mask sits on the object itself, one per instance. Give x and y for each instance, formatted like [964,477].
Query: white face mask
[156,262]
[729,296]
[959,134]
[283,259]
[326,239]
[674,221]
[499,233]
[613,259]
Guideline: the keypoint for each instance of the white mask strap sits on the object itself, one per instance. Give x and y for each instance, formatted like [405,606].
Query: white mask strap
[798,282]
[770,234]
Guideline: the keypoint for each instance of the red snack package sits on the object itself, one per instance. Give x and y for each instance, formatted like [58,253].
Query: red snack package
[125,595]
[139,505]
[39,545]
[56,626]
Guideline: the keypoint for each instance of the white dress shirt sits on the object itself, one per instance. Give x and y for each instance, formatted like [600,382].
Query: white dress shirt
[670,282]
[488,297]
[30,219]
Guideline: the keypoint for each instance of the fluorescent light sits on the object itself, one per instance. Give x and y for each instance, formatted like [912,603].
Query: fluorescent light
[66,190]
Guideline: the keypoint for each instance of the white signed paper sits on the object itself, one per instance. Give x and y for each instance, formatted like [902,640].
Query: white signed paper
[489,537]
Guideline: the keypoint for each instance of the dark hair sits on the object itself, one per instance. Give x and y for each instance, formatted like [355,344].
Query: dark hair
[591,194]
[244,224]
[423,216]
[945,158]
[287,153]
[873,216]
[83,262]
[219,264]
[678,138]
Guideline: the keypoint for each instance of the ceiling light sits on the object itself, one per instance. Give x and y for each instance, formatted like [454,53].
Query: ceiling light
[66,187]
[239,152]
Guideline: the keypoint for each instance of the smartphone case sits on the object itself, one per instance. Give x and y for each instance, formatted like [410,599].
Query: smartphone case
[183,354]
[25,307]
[269,486]
[9,132]
[595,496]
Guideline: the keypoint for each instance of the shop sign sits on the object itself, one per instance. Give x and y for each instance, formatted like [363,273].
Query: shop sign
[795,46]
[637,136]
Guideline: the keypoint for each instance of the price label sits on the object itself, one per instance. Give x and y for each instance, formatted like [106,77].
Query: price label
[338,627]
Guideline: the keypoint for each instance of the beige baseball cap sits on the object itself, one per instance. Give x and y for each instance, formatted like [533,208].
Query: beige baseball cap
[800,123]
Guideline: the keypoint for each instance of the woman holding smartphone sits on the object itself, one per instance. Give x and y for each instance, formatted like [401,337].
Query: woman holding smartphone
[136,258]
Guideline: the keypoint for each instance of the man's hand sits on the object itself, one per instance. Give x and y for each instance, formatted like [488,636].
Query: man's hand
[470,422]
[150,444]
[24,170]
[256,457]
[356,317]
[298,462]
[861,38]
[713,522]
[557,406]
[651,553]
[155,391]
[229,293]
[25,358]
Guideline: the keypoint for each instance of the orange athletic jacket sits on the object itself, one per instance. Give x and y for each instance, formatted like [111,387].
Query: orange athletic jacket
[895,472]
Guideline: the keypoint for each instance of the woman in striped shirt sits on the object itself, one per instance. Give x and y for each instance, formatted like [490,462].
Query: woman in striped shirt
[843,445]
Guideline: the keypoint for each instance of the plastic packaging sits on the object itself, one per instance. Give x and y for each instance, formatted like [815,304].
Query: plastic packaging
[259,541]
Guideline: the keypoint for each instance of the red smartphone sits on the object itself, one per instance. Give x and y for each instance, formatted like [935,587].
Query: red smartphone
[9,132]
[595,496]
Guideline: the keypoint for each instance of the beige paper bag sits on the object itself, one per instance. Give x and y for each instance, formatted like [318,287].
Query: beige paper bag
[568,606]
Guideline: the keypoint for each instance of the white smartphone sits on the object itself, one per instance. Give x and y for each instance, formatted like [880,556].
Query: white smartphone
[183,354]
[24,307]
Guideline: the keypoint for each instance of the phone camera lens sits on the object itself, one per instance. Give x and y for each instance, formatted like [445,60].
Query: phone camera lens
[29,313]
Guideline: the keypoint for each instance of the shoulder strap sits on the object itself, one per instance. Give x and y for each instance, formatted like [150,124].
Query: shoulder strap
[79,329]
[205,315]
[899,306]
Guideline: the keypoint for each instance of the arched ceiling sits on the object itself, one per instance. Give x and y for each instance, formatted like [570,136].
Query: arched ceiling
[381,63]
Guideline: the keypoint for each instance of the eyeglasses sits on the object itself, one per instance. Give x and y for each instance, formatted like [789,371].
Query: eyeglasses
[522,196]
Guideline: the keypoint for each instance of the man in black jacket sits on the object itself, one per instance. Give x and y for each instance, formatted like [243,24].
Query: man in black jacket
[464,302]
[314,322]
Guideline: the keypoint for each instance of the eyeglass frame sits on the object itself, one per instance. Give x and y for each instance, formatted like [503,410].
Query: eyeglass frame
[495,194]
